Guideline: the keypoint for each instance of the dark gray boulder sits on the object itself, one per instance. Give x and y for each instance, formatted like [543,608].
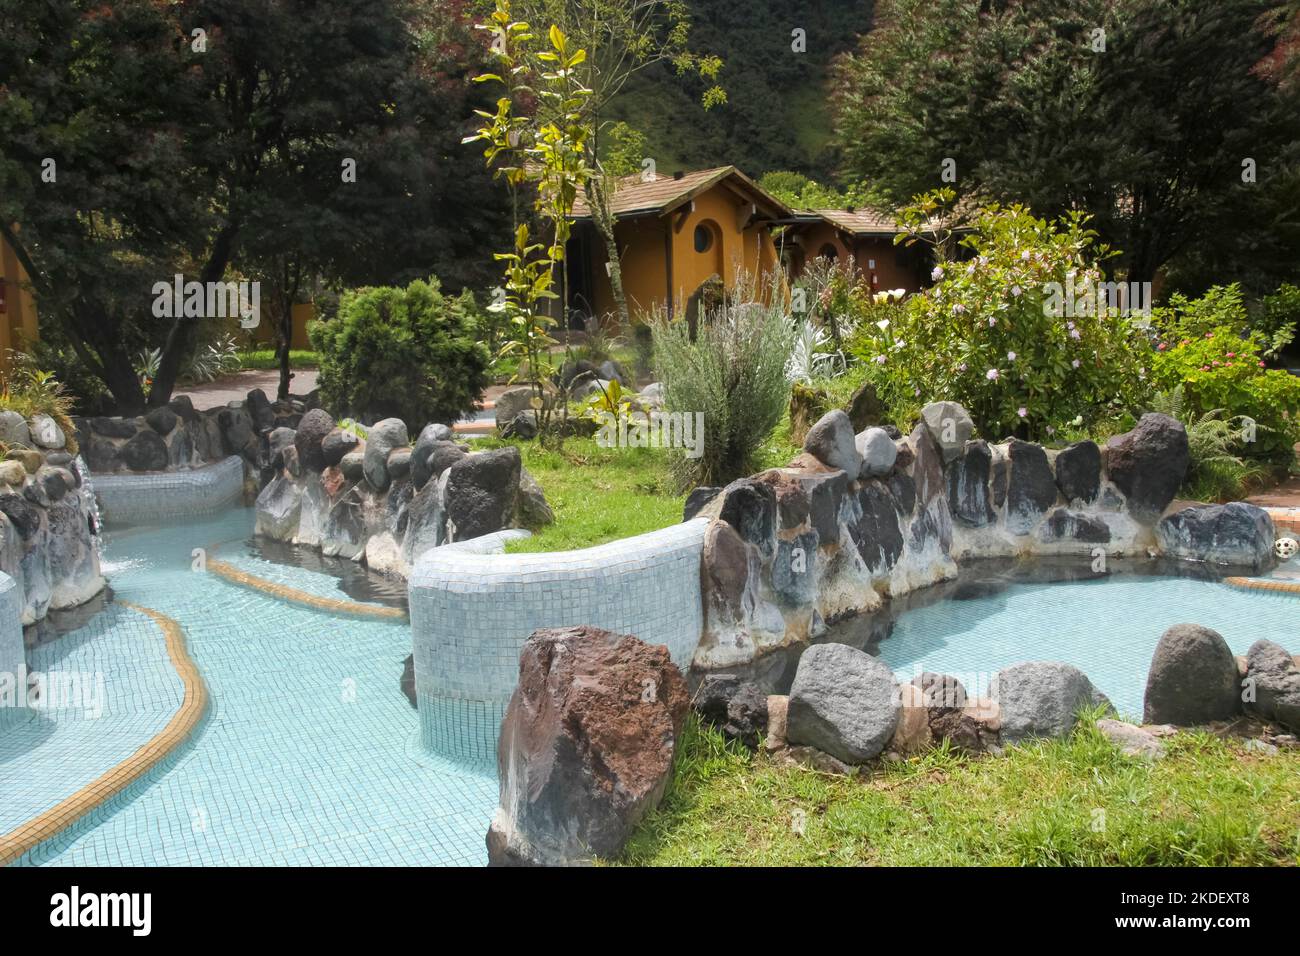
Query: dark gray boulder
[968,485]
[950,426]
[313,428]
[876,531]
[1031,487]
[260,410]
[737,707]
[336,443]
[384,436]
[25,518]
[431,459]
[277,441]
[1148,464]
[114,427]
[697,500]
[1236,534]
[533,510]
[1193,678]
[1041,699]
[353,465]
[146,451]
[1078,472]
[794,570]
[1272,686]
[749,506]
[162,420]
[1062,524]
[843,702]
[832,442]
[481,493]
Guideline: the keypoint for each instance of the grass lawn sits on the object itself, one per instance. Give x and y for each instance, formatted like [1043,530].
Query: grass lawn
[265,358]
[1057,803]
[602,494]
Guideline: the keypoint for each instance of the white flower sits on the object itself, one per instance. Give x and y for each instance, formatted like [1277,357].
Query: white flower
[880,360]
[882,324]
[1011,356]
[936,274]
[1075,363]
[1016,290]
[992,375]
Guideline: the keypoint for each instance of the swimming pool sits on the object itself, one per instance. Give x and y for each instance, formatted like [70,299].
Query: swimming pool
[1106,625]
[308,754]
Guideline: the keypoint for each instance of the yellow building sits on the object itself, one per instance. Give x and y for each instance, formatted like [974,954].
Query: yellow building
[17,308]
[673,234]
[858,236]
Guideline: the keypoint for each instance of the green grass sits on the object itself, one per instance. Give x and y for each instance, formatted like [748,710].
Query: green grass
[597,494]
[1208,802]
[265,358]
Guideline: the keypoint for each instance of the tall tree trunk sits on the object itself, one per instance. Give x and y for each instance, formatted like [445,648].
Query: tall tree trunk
[179,336]
[604,220]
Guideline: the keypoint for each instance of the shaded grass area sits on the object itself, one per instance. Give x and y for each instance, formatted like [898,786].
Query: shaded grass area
[265,358]
[1075,802]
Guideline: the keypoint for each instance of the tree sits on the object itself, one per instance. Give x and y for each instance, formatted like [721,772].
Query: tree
[212,133]
[1139,112]
[622,38]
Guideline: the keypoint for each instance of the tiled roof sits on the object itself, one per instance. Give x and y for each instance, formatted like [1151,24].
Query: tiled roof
[860,222]
[663,194]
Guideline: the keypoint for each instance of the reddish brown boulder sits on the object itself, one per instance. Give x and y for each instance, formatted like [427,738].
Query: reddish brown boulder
[586,747]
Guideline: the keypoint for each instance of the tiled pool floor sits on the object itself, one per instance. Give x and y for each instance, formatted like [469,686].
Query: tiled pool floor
[1107,627]
[309,754]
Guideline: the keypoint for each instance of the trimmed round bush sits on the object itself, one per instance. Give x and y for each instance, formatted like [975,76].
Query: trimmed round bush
[411,353]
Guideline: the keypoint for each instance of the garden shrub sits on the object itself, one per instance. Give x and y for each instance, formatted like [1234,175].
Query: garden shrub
[1205,346]
[29,391]
[992,334]
[411,353]
[733,372]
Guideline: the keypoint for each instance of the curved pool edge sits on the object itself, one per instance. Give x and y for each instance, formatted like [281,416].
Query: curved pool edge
[472,608]
[194,705]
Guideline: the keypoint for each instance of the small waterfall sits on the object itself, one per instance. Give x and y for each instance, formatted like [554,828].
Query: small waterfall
[86,491]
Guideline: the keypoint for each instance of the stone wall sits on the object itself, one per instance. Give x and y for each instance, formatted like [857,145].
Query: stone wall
[48,529]
[471,613]
[385,501]
[177,436]
[860,518]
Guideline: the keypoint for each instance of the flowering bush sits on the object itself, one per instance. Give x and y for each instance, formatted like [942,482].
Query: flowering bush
[1220,368]
[1014,331]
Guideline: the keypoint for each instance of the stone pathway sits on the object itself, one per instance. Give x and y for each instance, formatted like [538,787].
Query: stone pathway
[235,387]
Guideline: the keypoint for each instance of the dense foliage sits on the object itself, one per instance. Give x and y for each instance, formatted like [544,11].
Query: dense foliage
[411,353]
[1160,119]
[990,334]
[139,140]
[1208,348]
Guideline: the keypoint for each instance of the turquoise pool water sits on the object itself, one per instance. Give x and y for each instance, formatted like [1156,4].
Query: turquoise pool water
[1107,627]
[309,754]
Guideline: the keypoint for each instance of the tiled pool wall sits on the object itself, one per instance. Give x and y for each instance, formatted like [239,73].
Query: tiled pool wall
[129,498]
[472,611]
[12,659]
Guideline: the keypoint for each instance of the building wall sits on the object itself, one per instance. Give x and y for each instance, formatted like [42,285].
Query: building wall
[18,322]
[877,259]
[644,245]
[303,312]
